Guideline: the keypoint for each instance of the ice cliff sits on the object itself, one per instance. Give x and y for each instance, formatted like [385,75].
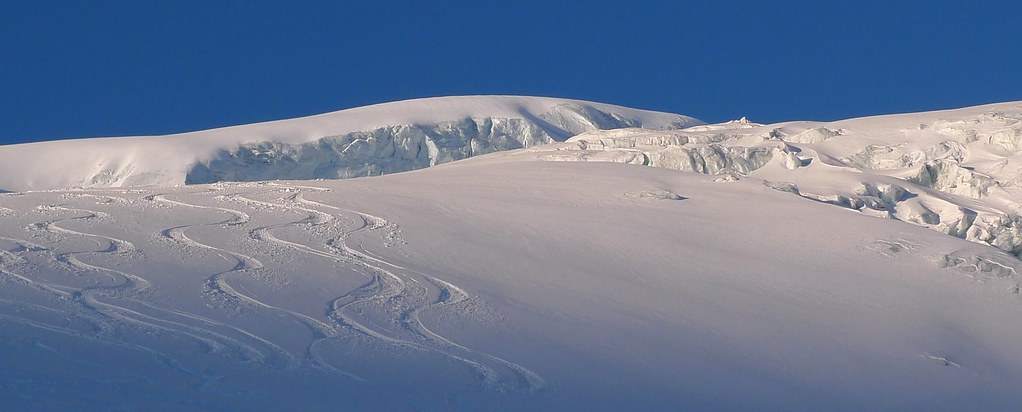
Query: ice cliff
[956,172]
[371,140]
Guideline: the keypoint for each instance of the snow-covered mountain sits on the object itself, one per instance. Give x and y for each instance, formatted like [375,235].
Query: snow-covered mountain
[855,265]
[371,140]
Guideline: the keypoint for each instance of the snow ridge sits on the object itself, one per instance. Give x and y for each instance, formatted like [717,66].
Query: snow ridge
[371,140]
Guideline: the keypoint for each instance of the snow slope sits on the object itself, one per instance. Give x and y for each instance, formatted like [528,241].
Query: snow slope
[371,140]
[511,285]
[797,269]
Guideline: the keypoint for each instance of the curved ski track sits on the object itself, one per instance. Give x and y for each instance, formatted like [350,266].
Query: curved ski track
[386,307]
[394,286]
[125,286]
[218,282]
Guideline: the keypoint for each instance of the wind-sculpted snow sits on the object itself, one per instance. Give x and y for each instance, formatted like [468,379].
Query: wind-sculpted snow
[364,141]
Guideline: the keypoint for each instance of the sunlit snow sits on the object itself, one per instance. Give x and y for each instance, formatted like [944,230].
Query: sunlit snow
[576,256]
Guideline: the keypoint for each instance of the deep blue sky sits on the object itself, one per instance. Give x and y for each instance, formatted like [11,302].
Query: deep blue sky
[96,68]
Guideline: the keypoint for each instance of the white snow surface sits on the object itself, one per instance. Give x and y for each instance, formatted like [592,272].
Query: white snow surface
[371,140]
[856,265]
[955,171]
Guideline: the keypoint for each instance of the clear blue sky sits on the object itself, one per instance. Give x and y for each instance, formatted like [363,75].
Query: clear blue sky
[99,68]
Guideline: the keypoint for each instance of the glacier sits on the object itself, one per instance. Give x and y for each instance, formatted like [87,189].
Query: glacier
[532,254]
[953,171]
[364,141]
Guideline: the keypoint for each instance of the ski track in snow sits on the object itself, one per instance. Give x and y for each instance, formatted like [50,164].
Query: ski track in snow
[107,315]
[218,282]
[386,307]
[688,309]
[389,285]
